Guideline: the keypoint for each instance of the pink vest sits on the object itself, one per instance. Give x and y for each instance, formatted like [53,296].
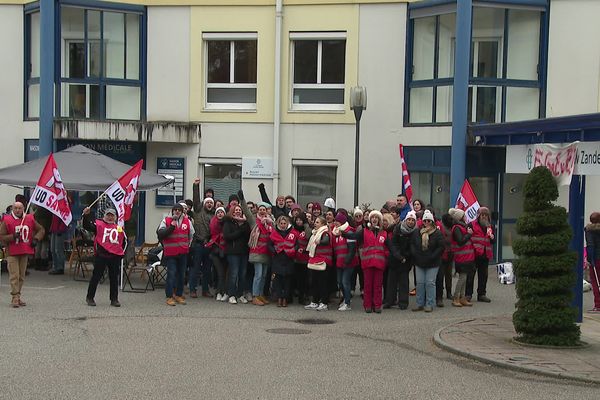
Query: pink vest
[301,254]
[178,242]
[373,249]
[481,241]
[110,237]
[23,246]
[263,239]
[340,249]
[464,254]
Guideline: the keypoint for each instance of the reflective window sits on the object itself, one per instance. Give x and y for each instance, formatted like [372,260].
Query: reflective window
[224,179]
[315,183]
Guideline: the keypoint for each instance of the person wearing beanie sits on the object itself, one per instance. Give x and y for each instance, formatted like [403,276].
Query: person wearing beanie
[400,263]
[372,241]
[346,258]
[279,207]
[236,232]
[320,253]
[464,255]
[358,221]
[316,210]
[592,240]
[300,282]
[259,255]
[216,246]
[329,203]
[201,263]
[295,209]
[175,232]
[483,239]
[234,200]
[282,244]
[426,247]
[444,276]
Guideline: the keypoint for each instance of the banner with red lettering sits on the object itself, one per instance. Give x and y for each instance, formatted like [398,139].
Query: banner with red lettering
[406,178]
[122,192]
[560,160]
[50,193]
[467,201]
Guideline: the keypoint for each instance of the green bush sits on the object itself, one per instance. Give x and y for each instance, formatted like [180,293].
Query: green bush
[545,268]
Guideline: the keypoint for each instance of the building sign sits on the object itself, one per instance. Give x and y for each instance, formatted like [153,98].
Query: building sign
[255,167]
[584,156]
[174,167]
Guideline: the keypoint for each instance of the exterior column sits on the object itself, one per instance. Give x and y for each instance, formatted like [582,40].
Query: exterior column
[464,12]
[577,222]
[47,59]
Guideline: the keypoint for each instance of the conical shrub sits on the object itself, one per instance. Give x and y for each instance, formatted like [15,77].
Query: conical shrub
[545,267]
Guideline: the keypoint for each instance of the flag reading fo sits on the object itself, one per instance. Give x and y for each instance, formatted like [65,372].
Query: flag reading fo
[406,178]
[467,202]
[122,192]
[50,193]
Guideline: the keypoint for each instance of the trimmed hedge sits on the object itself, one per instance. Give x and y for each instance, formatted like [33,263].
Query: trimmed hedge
[545,268]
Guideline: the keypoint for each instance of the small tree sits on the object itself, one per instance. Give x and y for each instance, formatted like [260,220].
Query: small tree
[545,268]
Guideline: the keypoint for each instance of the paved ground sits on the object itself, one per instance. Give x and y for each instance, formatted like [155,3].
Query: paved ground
[58,348]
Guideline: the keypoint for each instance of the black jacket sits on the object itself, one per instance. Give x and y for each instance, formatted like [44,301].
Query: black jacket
[281,264]
[592,241]
[236,237]
[431,257]
[399,247]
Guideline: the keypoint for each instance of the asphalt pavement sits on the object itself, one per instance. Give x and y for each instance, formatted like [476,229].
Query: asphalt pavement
[59,348]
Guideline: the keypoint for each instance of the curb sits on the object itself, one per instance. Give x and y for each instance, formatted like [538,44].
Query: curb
[502,364]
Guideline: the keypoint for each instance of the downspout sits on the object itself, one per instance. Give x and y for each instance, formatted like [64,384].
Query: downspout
[277,96]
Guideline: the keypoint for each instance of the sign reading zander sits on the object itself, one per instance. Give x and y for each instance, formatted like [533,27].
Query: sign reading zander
[584,156]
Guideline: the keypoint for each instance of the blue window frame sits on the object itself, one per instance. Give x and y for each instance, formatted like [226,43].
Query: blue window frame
[508,62]
[100,60]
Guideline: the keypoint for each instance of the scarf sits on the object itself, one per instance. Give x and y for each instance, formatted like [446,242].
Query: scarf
[405,230]
[342,228]
[315,239]
[425,232]
[255,232]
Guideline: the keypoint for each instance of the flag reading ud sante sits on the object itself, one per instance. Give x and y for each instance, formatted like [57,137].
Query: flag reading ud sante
[51,194]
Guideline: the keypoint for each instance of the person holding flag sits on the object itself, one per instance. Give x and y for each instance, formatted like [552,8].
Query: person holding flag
[483,239]
[20,232]
[109,248]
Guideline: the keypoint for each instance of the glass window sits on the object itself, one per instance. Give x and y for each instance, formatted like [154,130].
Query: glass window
[488,31]
[512,196]
[522,103]
[114,39]
[523,44]
[315,183]
[440,194]
[122,102]
[231,73]
[32,58]
[224,179]
[421,100]
[421,184]
[319,73]
[447,45]
[34,48]
[33,101]
[484,105]
[424,48]
[443,109]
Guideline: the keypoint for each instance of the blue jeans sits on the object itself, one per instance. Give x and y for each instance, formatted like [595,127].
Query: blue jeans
[57,249]
[175,273]
[426,286]
[344,281]
[237,274]
[258,283]
[200,263]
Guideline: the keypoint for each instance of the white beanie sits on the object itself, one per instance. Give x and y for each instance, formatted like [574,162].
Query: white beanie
[329,202]
[456,214]
[376,213]
[357,211]
[411,214]
[220,209]
[206,200]
[427,215]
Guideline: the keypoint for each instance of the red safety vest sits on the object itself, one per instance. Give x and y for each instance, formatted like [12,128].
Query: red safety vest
[481,241]
[323,252]
[263,239]
[23,246]
[340,249]
[110,236]
[373,249]
[216,234]
[301,253]
[178,242]
[287,244]
[464,254]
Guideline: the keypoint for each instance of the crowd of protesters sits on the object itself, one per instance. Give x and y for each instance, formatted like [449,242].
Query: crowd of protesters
[243,251]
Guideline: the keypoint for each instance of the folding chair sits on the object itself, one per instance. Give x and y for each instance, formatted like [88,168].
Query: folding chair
[146,271]
[81,255]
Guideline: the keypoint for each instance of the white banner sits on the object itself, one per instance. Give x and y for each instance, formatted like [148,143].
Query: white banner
[563,161]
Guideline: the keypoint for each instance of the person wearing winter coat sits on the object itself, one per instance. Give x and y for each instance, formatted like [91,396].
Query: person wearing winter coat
[346,258]
[592,240]
[300,280]
[216,245]
[203,211]
[464,255]
[320,251]
[282,244]
[236,232]
[426,247]
[400,263]
[483,239]
[444,276]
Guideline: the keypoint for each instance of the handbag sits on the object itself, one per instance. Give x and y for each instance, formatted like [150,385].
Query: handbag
[319,266]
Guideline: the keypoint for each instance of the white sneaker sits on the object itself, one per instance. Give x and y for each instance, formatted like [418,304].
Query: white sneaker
[242,300]
[344,307]
[311,306]
[232,300]
[224,297]
[322,307]
[219,297]
[248,296]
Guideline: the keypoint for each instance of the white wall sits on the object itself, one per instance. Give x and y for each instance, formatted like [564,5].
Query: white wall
[168,64]
[573,58]
[12,128]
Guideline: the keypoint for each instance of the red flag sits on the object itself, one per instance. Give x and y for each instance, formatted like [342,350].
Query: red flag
[406,178]
[122,192]
[467,201]
[50,193]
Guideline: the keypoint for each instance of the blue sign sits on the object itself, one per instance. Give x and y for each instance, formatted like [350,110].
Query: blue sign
[171,194]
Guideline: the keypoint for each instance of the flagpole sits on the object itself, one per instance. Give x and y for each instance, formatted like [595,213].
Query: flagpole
[24,215]
[97,199]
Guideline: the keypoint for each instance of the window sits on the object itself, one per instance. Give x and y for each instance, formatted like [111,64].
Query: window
[315,183]
[100,75]
[319,69]
[32,71]
[507,65]
[231,62]
[432,189]
[224,179]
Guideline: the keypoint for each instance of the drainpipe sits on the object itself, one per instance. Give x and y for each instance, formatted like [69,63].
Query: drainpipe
[277,96]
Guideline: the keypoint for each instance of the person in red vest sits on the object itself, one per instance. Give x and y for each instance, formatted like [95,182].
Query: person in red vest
[463,252]
[320,253]
[20,234]
[109,248]
[175,232]
[346,258]
[282,244]
[483,238]
[373,246]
